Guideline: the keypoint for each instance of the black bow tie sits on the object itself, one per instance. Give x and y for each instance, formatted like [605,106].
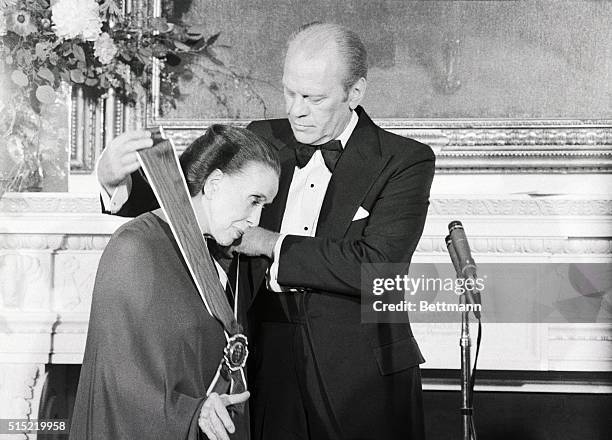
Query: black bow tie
[331,152]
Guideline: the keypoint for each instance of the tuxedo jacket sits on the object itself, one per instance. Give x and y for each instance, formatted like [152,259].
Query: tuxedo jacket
[388,176]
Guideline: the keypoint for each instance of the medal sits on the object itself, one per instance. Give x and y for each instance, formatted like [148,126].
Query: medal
[236,352]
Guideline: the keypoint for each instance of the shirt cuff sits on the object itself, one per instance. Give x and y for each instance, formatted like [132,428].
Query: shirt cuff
[120,194]
[272,275]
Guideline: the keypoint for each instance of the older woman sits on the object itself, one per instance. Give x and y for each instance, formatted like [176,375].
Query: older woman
[152,348]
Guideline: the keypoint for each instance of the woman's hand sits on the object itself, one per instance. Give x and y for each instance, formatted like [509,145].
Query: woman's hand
[214,419]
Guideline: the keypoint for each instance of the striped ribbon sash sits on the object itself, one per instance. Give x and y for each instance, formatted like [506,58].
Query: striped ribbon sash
[165,177]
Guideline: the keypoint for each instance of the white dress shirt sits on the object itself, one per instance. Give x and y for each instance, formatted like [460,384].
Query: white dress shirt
[304,201]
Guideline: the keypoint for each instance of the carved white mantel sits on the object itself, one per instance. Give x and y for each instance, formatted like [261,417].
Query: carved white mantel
[50,245]
[49,251]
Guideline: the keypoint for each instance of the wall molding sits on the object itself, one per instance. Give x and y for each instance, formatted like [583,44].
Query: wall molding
[67,203]
[476,145]
[511,224]
[529,246]
[521,206]
[55,203]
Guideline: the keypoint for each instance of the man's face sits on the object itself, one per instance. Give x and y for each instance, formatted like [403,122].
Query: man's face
[316,103]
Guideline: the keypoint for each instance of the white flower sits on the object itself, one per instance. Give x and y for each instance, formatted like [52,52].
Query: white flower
[124,71]
[20,22]
[73,18]
[104,48]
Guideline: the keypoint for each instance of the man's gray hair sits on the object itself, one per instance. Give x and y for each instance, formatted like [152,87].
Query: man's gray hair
[349,45]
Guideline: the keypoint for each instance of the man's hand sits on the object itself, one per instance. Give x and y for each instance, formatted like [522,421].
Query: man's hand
[256,241]
[119,159]
[214,419]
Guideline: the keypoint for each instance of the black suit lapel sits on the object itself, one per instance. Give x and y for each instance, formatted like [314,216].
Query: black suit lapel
[272,215]
[357,168]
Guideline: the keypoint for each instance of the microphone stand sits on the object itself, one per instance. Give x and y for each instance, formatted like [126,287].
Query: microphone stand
[467,410]
[466,400]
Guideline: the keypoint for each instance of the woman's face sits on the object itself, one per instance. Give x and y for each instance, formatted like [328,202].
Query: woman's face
[233,202]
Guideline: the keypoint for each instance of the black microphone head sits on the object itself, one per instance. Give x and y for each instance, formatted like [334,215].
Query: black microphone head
[455,224]
[453,256]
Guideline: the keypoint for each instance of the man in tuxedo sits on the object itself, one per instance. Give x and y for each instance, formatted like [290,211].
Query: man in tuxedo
[350,193]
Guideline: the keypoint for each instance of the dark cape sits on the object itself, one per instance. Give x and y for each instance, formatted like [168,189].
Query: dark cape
[152,348]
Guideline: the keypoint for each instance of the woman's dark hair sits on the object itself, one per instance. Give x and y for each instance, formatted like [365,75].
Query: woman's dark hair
[228,149]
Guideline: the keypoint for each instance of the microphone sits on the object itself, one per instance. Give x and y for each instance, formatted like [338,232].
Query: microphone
[453,256]
[465,266]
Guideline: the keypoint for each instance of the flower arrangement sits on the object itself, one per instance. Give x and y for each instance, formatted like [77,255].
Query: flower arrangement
[92,44]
